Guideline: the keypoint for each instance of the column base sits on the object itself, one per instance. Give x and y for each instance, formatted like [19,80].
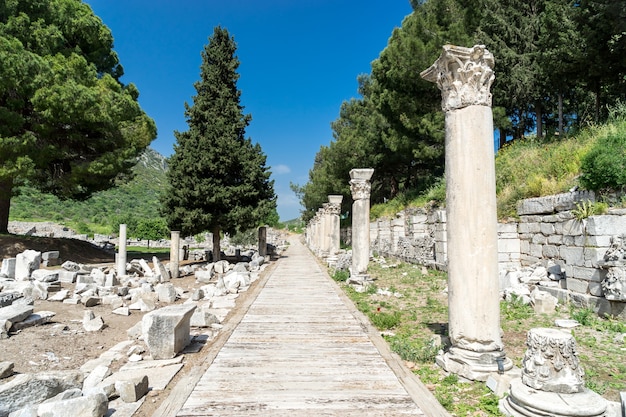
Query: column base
[360,280]
[524,401]
[475,366]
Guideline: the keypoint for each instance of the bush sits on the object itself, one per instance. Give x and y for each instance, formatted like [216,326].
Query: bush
[604,167]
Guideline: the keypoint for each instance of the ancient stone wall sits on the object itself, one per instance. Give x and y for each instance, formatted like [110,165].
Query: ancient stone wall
[547,233]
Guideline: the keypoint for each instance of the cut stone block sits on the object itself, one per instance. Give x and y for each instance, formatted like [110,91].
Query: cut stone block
[45,275]
[35,319]
[8,268]
[25,263]
[6,369]
[132,390]
[166,330]
[28,389]
[95,405]
[15,313]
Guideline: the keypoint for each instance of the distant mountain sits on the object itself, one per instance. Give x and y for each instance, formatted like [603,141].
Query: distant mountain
[131,202]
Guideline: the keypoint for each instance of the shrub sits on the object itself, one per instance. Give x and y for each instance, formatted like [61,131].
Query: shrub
[604,167]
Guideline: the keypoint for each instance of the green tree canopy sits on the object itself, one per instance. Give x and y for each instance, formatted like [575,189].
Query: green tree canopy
[218,180]
[67,124]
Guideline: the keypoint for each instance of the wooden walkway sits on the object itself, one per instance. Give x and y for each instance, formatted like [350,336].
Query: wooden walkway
[301,349]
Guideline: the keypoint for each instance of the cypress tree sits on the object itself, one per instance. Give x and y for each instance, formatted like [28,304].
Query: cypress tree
[218,181]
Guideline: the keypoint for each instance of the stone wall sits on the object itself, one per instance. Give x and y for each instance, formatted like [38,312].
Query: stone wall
[547,233]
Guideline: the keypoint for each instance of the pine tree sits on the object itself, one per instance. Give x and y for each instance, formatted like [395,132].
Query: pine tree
[218,178]
[68,125]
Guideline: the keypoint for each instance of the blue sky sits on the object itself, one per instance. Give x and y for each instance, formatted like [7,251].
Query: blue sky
[299,61]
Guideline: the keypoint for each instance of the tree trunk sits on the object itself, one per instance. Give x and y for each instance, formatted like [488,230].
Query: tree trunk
[561,114]
[216,244]
[6,191]
[539,116]
[502,139]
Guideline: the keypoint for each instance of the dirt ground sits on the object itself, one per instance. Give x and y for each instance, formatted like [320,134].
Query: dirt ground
[63,344]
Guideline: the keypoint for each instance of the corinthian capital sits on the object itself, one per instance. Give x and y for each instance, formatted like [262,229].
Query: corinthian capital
[464,76]
[359,183]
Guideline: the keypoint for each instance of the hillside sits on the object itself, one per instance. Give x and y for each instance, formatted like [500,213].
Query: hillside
[128,203]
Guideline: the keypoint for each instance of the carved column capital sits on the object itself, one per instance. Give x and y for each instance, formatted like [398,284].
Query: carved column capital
[359,183]
[464,76]
[551,362]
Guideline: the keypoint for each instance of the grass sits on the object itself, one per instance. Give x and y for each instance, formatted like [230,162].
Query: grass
[525,168]
[414,321]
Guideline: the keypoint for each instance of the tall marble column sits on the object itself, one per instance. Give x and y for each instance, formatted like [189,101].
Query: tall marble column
[120,260]
[360,187]
[174,264]
[464,76]
[334,229]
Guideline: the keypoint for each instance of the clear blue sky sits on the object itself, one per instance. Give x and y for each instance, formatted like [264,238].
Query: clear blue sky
[299,61]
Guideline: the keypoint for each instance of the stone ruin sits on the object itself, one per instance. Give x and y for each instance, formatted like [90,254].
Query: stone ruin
[551,381]
[614,284]
[153,350]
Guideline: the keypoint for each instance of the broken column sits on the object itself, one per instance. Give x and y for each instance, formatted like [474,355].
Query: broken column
[120,260]
[175,254]
[334,226]
[464,76]
[552,380]
[360,187]
[262,241]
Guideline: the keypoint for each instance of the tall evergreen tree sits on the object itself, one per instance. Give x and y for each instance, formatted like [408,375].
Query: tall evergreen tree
[67,124]
[218,178]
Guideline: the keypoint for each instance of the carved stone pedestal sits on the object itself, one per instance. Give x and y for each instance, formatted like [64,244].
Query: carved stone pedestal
[552,380]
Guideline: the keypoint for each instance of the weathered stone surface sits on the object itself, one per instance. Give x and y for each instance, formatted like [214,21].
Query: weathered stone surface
[93,325]
[15,313]
[132,390]
[25,263]
[166,330]
[605,225]
[166,292]
[201,318]
[6,369]
[160,270]
[8,268]
[7,298]
[95,405]
[203,275]
[122,311]
[28,389]
[526,401]
[35,319]
[96,376]
[60,296]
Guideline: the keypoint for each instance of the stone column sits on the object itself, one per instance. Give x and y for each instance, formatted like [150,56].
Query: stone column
[360,188]
[120,261]
[464,76]
[175,254]
[262,241]
[552,380]
[334,229]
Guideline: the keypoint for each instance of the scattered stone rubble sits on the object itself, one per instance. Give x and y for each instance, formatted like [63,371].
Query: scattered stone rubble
[155,343]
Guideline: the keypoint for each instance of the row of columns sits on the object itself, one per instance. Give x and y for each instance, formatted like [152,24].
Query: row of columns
[464,76]
[323,231]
